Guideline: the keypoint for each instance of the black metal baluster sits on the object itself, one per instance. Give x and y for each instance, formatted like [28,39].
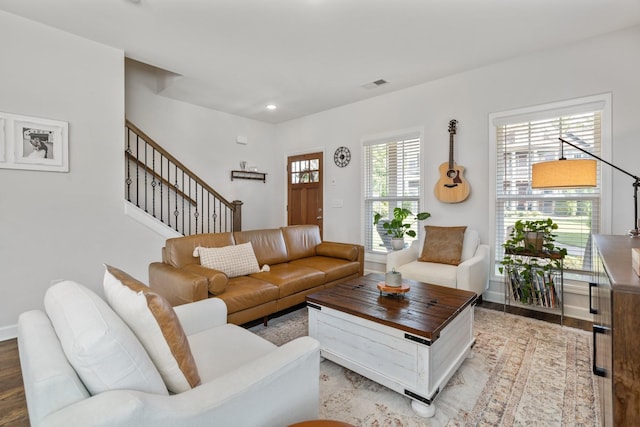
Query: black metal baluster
[176,187]
[208,213]
[202,209]
[215,214]
[196,214]
[127,158]
[161,176]
[153,182]
[168,193]
[146,174]
[183,196]
[226,219]
[137,172]
[189,204]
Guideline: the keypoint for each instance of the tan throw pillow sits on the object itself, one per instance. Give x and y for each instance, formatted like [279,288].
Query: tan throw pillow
[442,244]
[234,260]
[156,325]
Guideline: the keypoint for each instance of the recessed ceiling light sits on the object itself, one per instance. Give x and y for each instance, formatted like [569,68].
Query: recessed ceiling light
[271,106]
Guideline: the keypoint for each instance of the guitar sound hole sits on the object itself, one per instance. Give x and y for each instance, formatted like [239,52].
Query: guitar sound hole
[451,173]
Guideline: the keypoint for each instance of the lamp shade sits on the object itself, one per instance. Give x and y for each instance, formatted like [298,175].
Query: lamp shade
[574,173]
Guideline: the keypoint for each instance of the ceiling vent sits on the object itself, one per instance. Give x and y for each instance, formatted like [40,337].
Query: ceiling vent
[375,84]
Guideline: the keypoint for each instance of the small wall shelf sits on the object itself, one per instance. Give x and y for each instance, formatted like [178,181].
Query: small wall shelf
[259,176]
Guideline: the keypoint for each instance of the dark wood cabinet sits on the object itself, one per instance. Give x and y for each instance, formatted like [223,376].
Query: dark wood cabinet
[615,304]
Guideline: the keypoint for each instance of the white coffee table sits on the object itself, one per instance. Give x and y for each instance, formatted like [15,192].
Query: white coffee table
[411,344]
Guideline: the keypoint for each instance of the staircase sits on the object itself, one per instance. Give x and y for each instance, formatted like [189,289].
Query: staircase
[164,188]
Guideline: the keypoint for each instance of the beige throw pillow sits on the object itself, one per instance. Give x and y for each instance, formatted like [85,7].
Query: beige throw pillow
[443,244]
[156,325]
[233,260]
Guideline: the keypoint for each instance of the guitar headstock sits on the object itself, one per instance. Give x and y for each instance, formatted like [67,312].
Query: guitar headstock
[452,126]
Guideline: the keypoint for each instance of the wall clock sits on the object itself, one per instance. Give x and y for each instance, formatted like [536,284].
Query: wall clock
[342,157]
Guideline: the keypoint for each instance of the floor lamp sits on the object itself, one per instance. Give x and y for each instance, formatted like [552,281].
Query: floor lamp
[577,173]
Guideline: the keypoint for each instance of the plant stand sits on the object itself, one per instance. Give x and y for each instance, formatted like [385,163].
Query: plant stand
[545,292]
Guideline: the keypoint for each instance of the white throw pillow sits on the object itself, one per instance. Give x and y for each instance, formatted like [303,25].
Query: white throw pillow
[155,323]
[234,260]
[469,244]
[100,347]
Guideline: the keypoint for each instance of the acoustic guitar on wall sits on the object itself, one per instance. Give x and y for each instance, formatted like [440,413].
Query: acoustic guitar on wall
[452,187]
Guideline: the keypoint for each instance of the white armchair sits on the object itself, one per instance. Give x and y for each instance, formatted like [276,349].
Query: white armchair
[246,380]
[471,274]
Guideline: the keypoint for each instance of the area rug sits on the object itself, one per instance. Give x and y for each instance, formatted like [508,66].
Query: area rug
[524,372]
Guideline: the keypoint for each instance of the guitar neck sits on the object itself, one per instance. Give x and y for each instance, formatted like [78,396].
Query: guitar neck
[450,151]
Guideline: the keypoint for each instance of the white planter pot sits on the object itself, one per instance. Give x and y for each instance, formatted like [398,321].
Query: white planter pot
[393,279]
[397,243]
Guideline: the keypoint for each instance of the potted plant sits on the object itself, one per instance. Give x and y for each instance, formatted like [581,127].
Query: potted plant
[532,236]
[400,225]
[529,241]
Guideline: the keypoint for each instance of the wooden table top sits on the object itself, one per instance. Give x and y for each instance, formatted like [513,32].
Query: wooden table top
[424,311]
[617,260]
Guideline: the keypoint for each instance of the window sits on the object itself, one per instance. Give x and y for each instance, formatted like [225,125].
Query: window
[391,179]
[305,171]
[531,136]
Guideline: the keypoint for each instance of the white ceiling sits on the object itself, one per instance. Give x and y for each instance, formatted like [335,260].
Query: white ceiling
[311,55]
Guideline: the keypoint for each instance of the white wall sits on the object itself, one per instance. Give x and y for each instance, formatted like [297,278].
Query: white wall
[205,141]
[64,225]
[605,64]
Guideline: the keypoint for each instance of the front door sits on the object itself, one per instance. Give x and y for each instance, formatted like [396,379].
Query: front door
[304,204]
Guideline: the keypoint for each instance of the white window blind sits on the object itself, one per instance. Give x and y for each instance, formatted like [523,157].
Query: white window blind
[519,144]
[391,179]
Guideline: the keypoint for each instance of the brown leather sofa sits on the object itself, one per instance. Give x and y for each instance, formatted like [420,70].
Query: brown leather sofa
[299,263]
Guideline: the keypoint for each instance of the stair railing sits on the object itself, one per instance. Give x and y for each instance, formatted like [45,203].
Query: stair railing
[166,189]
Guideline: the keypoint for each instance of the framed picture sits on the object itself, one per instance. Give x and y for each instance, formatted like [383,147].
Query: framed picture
[34,143]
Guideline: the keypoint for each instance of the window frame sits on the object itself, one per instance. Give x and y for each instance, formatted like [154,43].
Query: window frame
[398,135]
[600,102]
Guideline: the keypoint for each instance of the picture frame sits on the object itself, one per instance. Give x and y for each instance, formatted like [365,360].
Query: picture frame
[33,143]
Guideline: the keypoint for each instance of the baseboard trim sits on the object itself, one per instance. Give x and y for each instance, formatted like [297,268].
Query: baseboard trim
[149,221]
[8,332]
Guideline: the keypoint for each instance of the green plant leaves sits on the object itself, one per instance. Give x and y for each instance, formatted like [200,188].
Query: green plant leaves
[397,225]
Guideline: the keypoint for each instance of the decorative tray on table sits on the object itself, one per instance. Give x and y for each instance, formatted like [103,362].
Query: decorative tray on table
[393,290]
